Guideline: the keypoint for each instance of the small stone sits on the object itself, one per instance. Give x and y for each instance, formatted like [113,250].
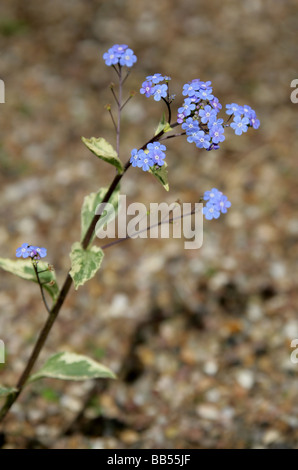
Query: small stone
[208,412]
[70,403]
[246,379]
[129,436]
[271,436]
[210,367]
[119,305]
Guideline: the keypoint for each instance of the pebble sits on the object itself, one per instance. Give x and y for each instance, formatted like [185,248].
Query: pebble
[210,368]
[271,436]
[245,378]
[70,403]
[208,412]
[119,306]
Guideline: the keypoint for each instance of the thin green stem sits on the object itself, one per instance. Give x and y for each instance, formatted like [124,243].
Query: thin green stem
[114,94]
[172,136]
[126,76]
[113,120]
[126,101]
[34,263]
[169,109]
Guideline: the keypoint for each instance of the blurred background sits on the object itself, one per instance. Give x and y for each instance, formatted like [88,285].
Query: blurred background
[201,339]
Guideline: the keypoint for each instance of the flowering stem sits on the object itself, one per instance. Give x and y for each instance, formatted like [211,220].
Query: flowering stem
[229,118]
[116,70]
[125,102]
[114,94]
[34,263]
[169,109]
[113,120]
[126,76]
[171,136]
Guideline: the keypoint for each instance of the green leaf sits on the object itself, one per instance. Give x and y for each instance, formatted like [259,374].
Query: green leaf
[161,173]
[25,270]
[71,366]
[102,149]
[163,125]
[84,263]
[4,391]
[89,206]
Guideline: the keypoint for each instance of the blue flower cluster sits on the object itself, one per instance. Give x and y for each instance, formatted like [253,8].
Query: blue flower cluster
[34,252]
[120,54]
[153,155]
[217,203]
[198,115]
[244,117]
[153,86]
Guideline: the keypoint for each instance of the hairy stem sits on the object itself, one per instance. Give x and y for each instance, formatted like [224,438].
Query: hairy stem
[40,286]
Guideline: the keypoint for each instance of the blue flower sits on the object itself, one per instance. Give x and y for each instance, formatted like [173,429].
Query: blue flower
[190,89]
[254,122]
[128,58]
[215,122]
[248,111]
[205,85]
[213,195]
[134,157]
[190,125]
[216,104]
[157,157]
[147,89]
[111,57]
[217,203]
[211,211]
[145,161]
[223,204]
[203,140]
[206,114]
[156,152]
[193,136]
[240,124]
[187,108]
[205,94]
[119,48]
[156,78]
[234,108]
[120,54]
[250,114]
[217,132]
[22,251]
[156,146]
[34,252]
[160,91]
[180,118]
